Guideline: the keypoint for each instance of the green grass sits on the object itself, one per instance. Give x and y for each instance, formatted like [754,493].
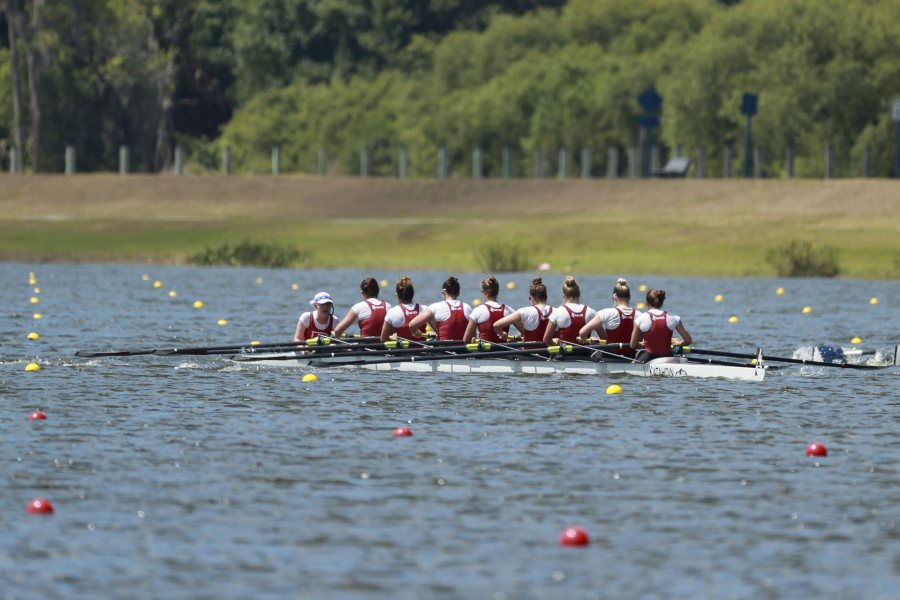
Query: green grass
[671,229]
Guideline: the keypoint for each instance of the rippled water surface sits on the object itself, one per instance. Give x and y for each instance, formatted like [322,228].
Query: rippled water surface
[192,477]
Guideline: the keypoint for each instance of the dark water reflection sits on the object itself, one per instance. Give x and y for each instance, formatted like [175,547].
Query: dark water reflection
[188,477]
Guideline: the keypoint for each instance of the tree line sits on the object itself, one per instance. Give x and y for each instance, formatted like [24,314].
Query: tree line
[525,75]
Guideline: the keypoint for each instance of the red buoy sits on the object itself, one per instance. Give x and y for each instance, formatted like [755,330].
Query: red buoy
[402,432]
[40,506]
[37,415]
[574,536]
[816,449]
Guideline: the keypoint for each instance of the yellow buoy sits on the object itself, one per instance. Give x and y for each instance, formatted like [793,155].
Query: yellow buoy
[222,322]
[38,316]
[641,306]
[642,287]
[32,366]
[255,343]
[873,300]
[295,286]
[733,319]
[807,310]
[856,340]
[779,291]
[476,302]
[37,290]
[614,389]
[719,297]
[383,283]
[511,285]
[157,284]
[198,303]
[35,300]
[259,280]
[309,377]
[32,281]
[34,336]
[172,293]
[145,277]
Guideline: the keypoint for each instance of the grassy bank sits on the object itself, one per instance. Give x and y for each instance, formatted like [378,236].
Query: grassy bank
[688,227]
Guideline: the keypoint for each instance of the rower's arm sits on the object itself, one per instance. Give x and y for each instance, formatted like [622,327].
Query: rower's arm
[593,325]
[637,338]
[420,319]
[514,319]
[387,330]
[686,339]
[469,335]
[346,322]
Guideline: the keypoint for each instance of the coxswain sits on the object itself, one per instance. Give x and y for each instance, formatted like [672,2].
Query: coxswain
[319,321]
[614,325]
[567,320]
[485,315]
[450,316]
[397,319]
[531,321]
[369,313]
[653,330]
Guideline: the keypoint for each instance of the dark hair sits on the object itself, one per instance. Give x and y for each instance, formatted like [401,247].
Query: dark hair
[451,286]
[369,287]
[655,298]
[538,290]
[622,290]
[570,289]
[405,290]
[490,287]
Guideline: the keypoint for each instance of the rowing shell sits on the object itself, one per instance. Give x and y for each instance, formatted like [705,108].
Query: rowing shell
[660,367]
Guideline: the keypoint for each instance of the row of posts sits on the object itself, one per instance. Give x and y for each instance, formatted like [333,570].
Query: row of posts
[612,162]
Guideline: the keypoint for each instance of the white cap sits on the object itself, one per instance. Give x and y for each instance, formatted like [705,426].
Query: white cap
[321,298]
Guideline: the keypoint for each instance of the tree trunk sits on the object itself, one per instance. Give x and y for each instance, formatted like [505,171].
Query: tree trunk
[33,60]
[18,133]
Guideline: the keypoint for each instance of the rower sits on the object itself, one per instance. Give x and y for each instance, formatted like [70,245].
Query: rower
[369,313]
[397,319]
[615,324]
[448,317]
[654,328]
[531,321]
[566,321]
[319,321]
[484,316]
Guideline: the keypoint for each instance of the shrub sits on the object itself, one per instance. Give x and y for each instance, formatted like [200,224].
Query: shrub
[251,253]
[501,257]
[801,259]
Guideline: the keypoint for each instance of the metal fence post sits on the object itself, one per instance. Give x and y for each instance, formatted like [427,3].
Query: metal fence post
[442,163]
[179,160]
[829,161]
[124,160]
[477,170]
[226,160]
[70,160]
[585,162]
[323,161]
[563,166]
[14,160]
[612,162]
[701,162]
[276,160]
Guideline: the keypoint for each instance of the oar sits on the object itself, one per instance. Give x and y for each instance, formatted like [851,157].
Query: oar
[794,361]
[393,348]
[201,350]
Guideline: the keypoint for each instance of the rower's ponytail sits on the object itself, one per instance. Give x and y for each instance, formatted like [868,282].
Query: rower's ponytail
[369,287]
[451,286]
[622,290]
[570,289]
[490,287]
[655,298]
[405,290]
[538,290]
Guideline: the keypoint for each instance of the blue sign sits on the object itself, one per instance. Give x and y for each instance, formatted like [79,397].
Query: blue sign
[748,105]
[650,101]
[649,121]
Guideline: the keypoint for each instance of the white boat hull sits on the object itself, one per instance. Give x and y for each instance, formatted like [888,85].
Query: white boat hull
[660,367]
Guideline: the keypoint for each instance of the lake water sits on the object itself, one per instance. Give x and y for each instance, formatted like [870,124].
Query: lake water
[181,477]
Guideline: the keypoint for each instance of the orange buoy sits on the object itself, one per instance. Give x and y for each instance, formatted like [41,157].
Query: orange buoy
[37,415]
[402,432]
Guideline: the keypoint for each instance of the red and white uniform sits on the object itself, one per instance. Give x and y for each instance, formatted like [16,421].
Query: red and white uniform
[399,317]
[535,320]
[313,327]
[618,324]
[570,318]
[485,315]
[657,327]
[452,317]
[370,316]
